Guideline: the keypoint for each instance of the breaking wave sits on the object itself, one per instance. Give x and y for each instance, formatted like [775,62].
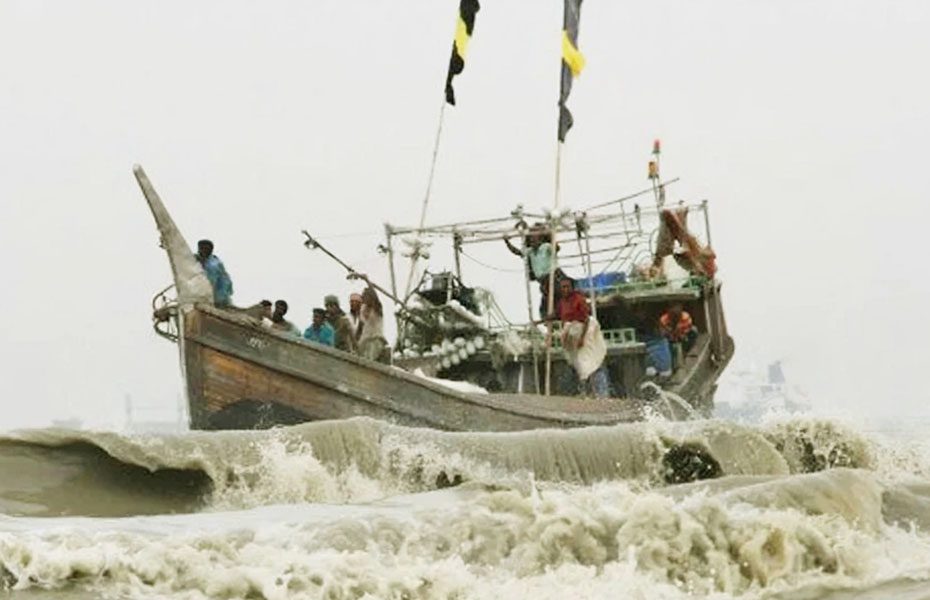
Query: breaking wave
[823,528]
[797,508]
[362,460]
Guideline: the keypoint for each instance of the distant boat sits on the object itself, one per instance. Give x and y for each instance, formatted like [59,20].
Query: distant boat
[149,423]
[72,423]
[750,393]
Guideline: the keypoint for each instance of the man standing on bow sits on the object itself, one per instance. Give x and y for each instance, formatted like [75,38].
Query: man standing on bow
[216,273]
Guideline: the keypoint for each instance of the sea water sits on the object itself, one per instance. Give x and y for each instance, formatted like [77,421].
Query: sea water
[799,507]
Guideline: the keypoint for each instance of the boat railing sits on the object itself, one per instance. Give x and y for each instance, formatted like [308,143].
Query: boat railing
[609,249]
[619,240]
[165,314]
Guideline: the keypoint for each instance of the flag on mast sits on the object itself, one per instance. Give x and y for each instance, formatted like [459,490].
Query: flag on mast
[463,29]
[572,62]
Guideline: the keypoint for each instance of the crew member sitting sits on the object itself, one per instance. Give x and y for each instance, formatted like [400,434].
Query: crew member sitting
[676,325]
[279,323]
[344,335]
[320,331]
[582,340]
[216,273]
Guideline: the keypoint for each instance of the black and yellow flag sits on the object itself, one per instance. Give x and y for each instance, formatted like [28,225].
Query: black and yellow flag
[572,62]
[463,29]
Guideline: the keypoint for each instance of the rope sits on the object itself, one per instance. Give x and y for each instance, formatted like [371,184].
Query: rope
[429,190]
[432,168]
[631,196]
[487,266]
[356,234]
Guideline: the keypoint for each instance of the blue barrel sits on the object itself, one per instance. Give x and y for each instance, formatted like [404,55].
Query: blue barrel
[658,354]
[602,282]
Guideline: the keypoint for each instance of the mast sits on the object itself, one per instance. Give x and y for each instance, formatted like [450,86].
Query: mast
[550,300]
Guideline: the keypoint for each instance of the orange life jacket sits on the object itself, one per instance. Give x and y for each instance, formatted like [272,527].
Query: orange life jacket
[676,331]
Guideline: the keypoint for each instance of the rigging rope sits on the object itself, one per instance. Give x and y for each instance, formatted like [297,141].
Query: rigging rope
[429,189]
[487,266]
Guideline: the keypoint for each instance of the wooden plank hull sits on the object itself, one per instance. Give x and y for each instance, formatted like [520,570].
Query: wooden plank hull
[241,375]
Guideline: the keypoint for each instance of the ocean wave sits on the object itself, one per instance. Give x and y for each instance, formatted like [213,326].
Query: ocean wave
[360,460]
[751,536]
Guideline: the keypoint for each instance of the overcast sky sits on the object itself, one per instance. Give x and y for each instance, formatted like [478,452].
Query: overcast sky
[804,122]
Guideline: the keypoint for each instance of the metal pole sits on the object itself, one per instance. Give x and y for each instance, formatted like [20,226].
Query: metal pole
[457,248]
[586,253]
[706,210]
[388,235]
[529,311]
[554,265]
[389,245]
[312,244]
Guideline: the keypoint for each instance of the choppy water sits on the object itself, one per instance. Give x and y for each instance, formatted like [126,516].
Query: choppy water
[798,508]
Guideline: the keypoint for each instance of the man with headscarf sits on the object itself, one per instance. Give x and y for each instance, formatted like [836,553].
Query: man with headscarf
[355,311]
[216,273]
[371,342]
[342,327]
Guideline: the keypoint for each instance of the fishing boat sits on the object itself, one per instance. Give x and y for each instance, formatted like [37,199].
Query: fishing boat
[461,363]
[239,374]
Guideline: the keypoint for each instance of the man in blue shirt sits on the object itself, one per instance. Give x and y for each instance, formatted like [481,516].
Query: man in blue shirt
[216,273]
[537,251]
[320,331]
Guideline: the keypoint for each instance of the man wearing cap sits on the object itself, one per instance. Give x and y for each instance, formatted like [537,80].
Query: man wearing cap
[320,331]
[340,324]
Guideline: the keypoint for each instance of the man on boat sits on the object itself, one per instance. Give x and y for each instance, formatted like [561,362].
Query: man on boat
[677,326]
[355,309]
[216,273]
[279,323]
[694,257]
[260,311]
[538,253]
[344,335]
[582,340]
[320,331]
[371,342]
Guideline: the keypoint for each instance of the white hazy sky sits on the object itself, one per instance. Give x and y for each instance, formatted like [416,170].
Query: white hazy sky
[805,122]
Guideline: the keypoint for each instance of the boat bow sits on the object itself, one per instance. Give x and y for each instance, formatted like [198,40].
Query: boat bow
[189,279]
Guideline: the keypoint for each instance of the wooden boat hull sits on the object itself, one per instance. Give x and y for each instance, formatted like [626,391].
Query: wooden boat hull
[240,375]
